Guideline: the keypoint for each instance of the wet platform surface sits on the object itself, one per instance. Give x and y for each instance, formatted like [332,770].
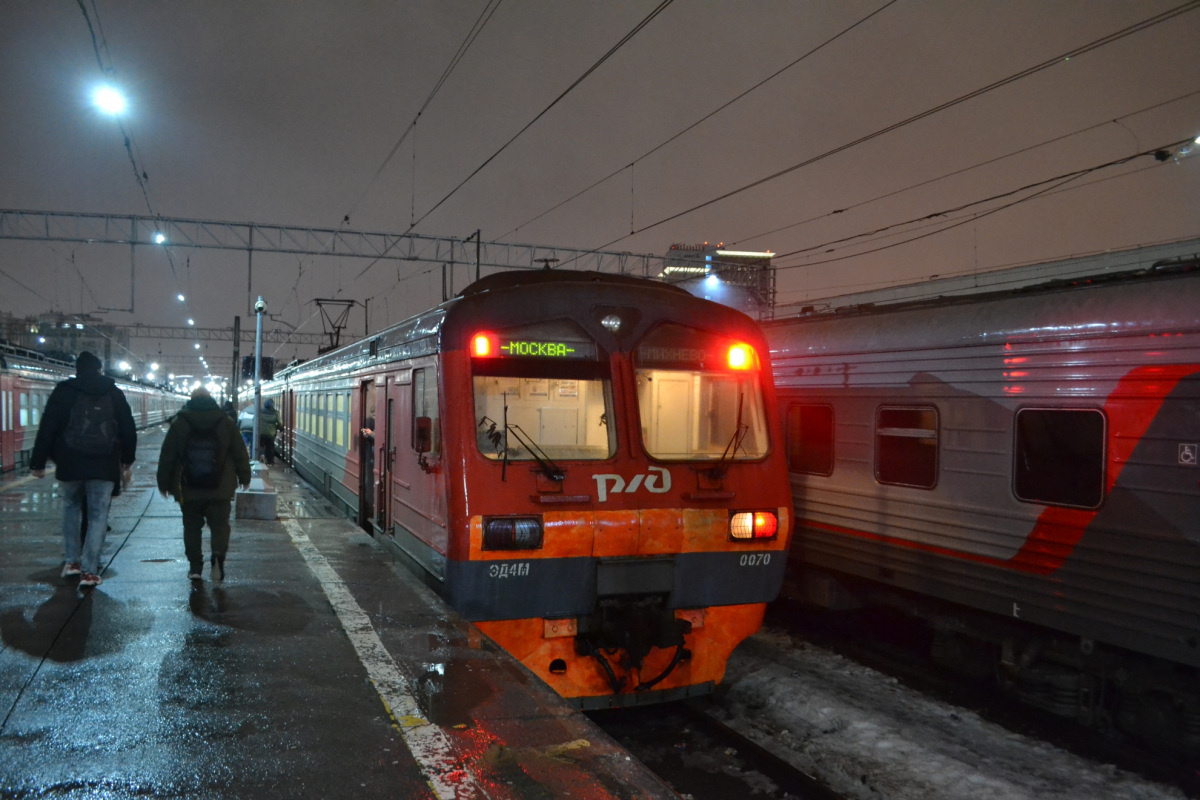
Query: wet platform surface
[317,668]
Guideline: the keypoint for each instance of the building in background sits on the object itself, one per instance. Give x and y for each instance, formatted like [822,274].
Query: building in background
[65,336]
[741,279]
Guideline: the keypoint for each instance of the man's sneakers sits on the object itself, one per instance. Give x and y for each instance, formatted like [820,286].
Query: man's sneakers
[218,568]
[89,579]
[71,570]
[194,572]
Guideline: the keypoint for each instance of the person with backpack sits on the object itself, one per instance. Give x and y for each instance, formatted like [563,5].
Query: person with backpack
[202,462]
[87,430]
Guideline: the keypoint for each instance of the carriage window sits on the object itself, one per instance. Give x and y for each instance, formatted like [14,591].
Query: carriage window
[810,439]
[24,409]
[699,396]
[425,404]
[1060,457]
[906,446]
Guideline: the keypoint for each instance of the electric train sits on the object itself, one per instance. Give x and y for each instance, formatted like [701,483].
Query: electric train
[587,466]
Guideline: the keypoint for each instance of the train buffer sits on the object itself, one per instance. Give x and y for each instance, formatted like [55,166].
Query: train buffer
[317,668]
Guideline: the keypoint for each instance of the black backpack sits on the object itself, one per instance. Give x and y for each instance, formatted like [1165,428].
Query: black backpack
[91,428]
[202,464]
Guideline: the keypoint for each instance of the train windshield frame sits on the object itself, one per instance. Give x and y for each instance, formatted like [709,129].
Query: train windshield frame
[700,396]
[542,391]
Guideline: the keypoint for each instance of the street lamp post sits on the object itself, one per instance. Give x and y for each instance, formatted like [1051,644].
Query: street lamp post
[260,307]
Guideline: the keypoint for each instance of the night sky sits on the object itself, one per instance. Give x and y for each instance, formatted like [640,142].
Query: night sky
[286,113]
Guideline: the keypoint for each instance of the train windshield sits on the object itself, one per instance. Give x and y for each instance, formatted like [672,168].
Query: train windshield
[700,396]
[541,393]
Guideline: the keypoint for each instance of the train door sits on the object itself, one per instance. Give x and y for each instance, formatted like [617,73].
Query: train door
[366,454]
[385,455]
[5,426]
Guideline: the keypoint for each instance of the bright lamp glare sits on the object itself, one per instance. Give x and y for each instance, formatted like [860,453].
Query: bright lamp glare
[109,100]
[159,238]
[180,298]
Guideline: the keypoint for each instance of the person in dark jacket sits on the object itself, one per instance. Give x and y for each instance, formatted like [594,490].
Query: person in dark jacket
[86,473]
[202,504]
[268,426]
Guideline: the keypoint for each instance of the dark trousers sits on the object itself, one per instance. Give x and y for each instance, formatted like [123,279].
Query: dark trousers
[195,514]
[266,448]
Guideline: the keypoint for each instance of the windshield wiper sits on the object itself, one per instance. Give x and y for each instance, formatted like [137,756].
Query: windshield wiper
[735,442]
[551,470]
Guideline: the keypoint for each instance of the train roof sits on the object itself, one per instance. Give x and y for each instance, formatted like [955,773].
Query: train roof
[527,277]
[1164,297]
[420,334]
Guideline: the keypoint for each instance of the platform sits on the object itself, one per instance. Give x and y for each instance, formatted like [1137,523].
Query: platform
[318,668]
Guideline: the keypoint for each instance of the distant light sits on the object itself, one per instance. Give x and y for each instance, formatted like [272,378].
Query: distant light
[149,376]
[123,366]
[109,100]
[191,321]
[197,345]
[746,253]
[712,281]
[41,340]
[180,298]
[79,326]
[159,238]
[154,366]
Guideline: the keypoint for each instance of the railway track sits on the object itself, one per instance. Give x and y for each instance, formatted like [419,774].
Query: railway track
[704,759]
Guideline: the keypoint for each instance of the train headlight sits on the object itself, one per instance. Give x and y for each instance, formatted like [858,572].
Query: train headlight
[512,533]
[753,525]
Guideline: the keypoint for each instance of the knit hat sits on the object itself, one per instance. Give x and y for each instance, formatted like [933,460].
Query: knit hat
[86,362]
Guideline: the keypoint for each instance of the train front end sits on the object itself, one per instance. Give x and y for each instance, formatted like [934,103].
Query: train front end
[624,513]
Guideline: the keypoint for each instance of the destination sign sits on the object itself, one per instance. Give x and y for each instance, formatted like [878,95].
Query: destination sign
[486,344]
[534,348]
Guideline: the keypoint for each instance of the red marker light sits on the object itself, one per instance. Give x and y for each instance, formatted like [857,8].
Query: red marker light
[485,345]
[742,357]
[753,525]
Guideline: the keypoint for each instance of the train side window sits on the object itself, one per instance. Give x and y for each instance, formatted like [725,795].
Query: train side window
[1059,457]
[23,408]
[810,439]
[906,446]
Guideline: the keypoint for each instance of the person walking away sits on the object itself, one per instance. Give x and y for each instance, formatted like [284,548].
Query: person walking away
[87,430]
[202,462]
[268,426]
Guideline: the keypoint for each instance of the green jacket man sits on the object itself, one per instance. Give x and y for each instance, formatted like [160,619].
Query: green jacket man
[203,439]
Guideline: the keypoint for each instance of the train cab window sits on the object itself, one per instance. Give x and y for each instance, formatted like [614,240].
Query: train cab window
[543,387]
[906,446]
[1060,456]
[699,396]
[810,439]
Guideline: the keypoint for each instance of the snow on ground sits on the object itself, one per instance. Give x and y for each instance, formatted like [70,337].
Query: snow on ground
[869,737]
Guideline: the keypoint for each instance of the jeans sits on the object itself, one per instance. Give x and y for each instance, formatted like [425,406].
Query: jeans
[99,497]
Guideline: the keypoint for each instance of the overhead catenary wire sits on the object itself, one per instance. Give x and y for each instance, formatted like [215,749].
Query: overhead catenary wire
[704,118]
[994,160]
[611,51]
[1017,76]
[1054,183]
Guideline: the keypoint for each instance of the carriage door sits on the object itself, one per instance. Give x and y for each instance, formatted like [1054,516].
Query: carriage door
[366,454]
[385,456]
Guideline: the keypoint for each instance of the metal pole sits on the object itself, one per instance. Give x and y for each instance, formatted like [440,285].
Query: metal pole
[237,362]
[259,308]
